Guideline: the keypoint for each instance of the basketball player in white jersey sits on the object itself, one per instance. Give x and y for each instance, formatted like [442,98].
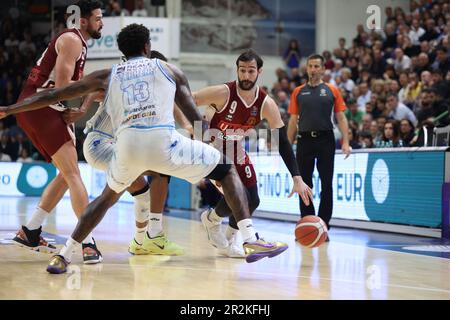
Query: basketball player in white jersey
[98,149]
[139,99]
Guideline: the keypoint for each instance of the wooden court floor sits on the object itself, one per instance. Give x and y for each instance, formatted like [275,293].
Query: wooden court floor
[347,267]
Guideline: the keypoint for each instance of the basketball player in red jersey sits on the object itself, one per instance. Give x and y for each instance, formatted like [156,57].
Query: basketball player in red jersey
[241,105]
[61,63]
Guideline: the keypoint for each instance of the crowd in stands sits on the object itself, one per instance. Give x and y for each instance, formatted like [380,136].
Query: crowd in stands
[395,80]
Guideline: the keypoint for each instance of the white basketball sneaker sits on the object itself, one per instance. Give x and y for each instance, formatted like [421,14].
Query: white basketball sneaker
[213,229]
[234,249]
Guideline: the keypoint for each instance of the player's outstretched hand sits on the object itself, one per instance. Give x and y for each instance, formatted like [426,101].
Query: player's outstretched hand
[302,189]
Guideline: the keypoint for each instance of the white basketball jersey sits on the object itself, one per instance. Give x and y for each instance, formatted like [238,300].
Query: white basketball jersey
[100,122]
[140,95]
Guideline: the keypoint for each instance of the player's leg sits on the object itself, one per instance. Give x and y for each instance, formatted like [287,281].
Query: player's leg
[155,240]
[91,217]
[65,159]
[29,235]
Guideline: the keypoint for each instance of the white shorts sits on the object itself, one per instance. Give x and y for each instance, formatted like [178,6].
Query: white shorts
[161,150]
[98,149]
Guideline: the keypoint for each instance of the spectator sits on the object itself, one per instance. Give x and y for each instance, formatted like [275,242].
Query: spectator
[402,61]
[295,76]
[140,10]
[403,81]
[353,139]
[5,145]
[347,83]
[406,132]
[24,156]
[283,101]
[292,55]
[430,33]
[329,63]
[116,10]
[4,156]
[442,62]
[423,63]
[366,140]
[412,90]
[425,78]
[364,97]
[366,121]
[11,42]
[379,63]
[416,32]
[398,110]
[352,112]
[337,70]
[391,137]
[27,45]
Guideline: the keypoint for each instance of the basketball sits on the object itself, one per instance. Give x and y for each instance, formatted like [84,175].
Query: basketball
[311,231]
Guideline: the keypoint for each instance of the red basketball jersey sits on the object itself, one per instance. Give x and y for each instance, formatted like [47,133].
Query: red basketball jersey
[237,117]
[42,75]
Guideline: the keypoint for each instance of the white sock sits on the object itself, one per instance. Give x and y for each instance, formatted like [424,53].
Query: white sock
[141,214]
[139,234]
[214,218]
[247,230]
[69,248]
[230,233]
[89,239]
[154,224]
[142,206]
[37,219]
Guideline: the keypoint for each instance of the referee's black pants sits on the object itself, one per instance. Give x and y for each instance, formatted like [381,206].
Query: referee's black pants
[322,147]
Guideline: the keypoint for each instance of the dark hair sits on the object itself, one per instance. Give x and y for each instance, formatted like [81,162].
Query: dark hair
[441,48]
[157,55]
[250,55]
[87,6]
[391,94]
[316,56]
[132,39]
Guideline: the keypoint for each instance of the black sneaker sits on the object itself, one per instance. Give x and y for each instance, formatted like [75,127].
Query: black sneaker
[91,255]
[32,239]
[327,239]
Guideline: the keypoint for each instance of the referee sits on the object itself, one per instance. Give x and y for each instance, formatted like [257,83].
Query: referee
[311,108]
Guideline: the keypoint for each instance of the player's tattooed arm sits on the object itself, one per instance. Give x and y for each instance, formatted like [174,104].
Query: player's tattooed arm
[95,81]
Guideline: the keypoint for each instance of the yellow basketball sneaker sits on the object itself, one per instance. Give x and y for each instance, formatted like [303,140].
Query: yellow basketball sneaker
[136,248]
[256,250]
[161,245]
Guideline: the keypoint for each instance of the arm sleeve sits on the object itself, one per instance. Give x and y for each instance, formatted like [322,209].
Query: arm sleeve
[286,153]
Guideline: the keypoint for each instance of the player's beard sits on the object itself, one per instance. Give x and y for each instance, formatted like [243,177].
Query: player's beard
[95,34]
[247,84]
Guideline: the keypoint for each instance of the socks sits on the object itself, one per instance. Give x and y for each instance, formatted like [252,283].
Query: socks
[230,233]
[37,219]
[247,230]
[141,214]
[69,248]
[154,224]
[88,239]
[139,235]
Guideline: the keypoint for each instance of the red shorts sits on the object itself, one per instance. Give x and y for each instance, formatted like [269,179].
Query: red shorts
[44,127]
[246,172]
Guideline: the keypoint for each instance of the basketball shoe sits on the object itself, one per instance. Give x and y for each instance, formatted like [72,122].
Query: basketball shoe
[91,254]
[161,245]
[58,264]
[234,249]
[213,229]
[256,250]
[32,239]
[136,248]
